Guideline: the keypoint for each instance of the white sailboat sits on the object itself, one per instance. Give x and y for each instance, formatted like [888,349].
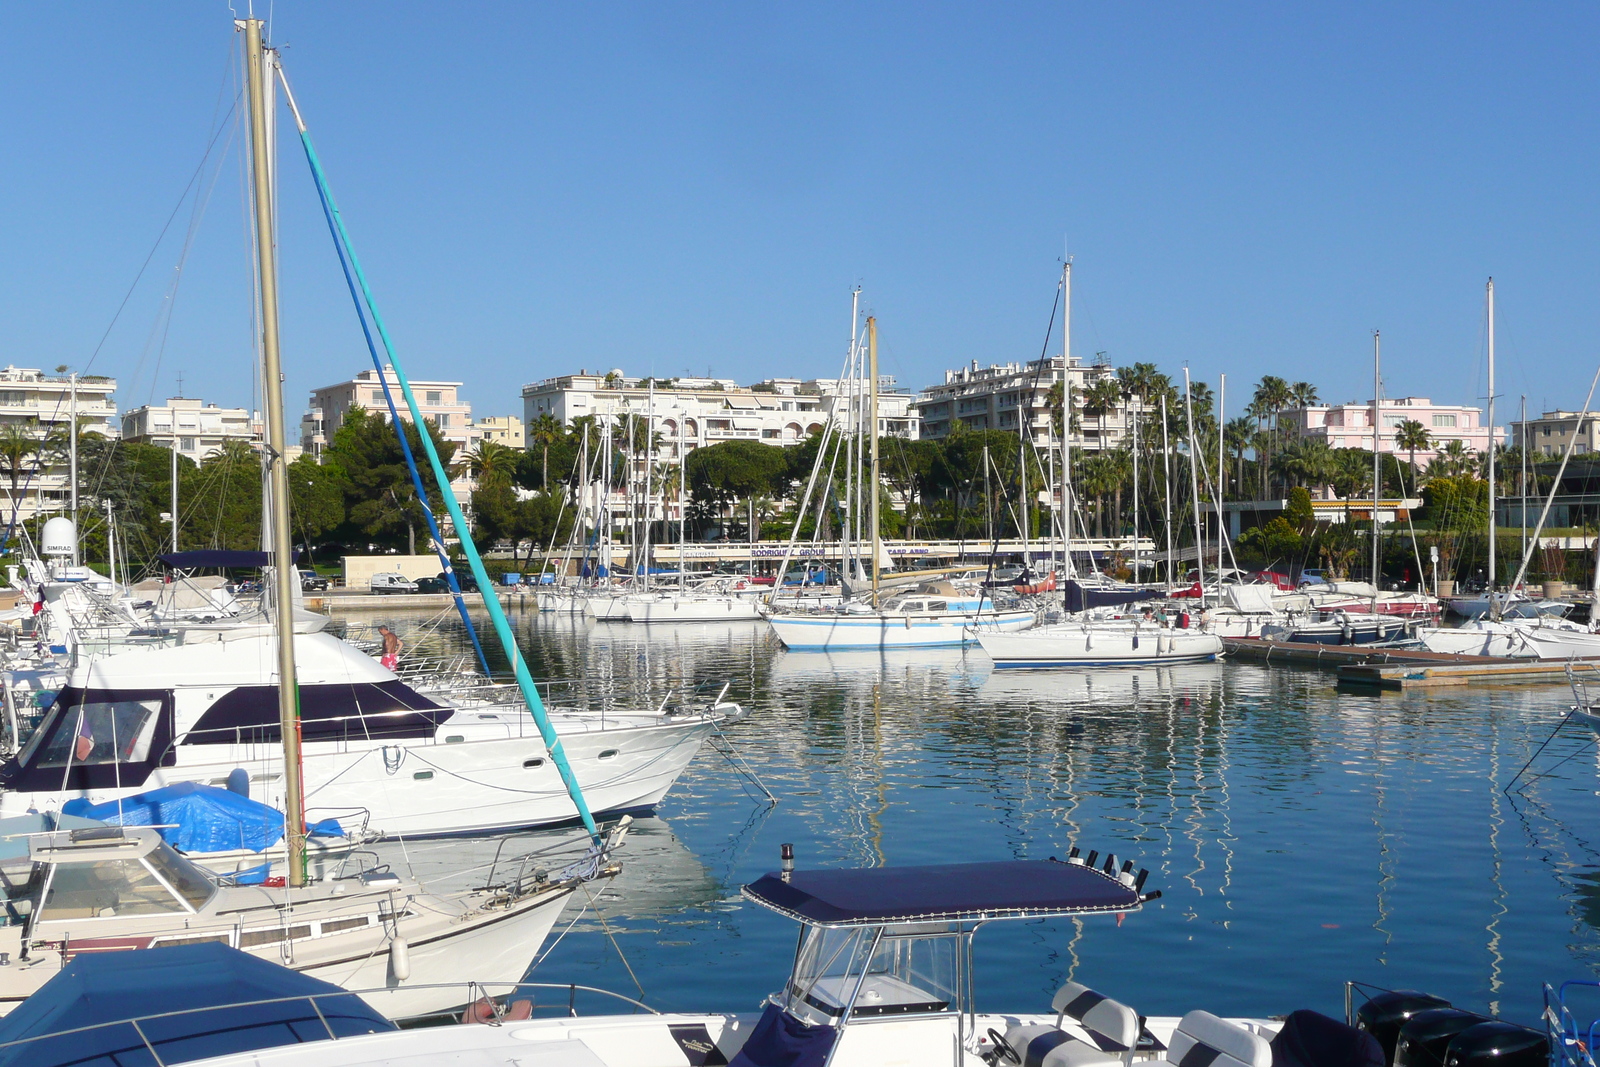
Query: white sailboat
[931,615]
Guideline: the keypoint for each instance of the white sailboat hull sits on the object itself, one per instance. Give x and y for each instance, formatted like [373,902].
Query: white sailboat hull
[1074,645]
[877,630]
[671,608]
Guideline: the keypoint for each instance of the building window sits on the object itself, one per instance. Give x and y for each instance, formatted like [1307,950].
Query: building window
[186,444]
[444,421]
[13,398]
[1444,420]
[377,396]
[433,398]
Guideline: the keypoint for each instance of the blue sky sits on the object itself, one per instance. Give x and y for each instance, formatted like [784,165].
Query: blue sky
[671,188]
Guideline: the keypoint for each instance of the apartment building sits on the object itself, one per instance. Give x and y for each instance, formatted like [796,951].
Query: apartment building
[1350,425]
[440,403]
[995,398]
[42,405]
[1549,433]
[694,412]
[501,429]
[195,428]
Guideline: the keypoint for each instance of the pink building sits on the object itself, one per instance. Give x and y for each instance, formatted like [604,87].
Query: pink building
[1350,425]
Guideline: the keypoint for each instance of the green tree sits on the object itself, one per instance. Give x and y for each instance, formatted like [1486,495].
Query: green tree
[543,432]
[381,503]
[1412,436]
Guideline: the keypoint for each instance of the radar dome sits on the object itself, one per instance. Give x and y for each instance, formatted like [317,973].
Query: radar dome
[60,537]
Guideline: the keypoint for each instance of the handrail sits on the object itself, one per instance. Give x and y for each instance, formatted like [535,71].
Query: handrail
[471,988]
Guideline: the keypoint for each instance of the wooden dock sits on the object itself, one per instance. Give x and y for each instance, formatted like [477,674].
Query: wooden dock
[1396,668]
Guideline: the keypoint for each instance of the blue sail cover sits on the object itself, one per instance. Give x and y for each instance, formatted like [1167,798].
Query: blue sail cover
[108,987]
[1080,599]
[197,818]
[953,892]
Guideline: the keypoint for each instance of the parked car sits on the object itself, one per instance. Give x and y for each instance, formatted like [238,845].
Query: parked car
[1313,576]
[312,582]
[432,585]
[464,579]
[392,582]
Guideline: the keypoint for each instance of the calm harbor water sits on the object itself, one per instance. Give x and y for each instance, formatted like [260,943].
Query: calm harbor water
[1301,834]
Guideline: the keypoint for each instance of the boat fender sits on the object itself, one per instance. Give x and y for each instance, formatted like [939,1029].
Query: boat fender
[239,782]
[1183,620]
[399,959]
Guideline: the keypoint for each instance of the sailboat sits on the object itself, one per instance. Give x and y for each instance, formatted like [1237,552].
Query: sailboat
[309,717]
[71,886]
[930,614]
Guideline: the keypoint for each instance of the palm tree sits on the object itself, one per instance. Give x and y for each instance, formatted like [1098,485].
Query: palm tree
[491,461]
[1239,435]
[545,431]
[1272,394]
[1452,461]
[1100,400]
[1303,395]
[18,446]
[1309,462]
[1412,436]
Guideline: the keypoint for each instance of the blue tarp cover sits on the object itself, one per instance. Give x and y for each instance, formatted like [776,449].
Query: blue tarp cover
[949,892]
[198,818]
[106,987]
[218,557]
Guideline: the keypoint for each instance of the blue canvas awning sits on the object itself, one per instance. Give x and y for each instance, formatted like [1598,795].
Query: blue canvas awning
[955,892]
[109,987]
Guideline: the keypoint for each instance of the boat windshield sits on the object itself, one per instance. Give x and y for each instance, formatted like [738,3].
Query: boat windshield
[107,731]
[900,970]
[104,889]
[187,880]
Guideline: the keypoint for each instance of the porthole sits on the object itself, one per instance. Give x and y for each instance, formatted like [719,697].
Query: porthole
[609,753]
[530,764]
[423,776]
[454,739]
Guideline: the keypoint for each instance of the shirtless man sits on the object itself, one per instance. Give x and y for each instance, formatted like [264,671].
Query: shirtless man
[391,648]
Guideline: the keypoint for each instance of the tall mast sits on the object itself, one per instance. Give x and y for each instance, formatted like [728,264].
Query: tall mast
[1222,463]
[872,424]
[1194,488]
[1522,482]
[1377,458]
[1490,291]
[277,472]
[1166,483]
[72,465]
[174,484]
[1066,421]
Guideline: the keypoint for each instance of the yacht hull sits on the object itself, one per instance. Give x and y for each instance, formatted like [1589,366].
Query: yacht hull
[827,631]
[1087,646]
[669,609]
[438,786]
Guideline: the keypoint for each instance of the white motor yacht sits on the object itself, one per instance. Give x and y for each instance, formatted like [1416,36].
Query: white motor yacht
[411,764]
[1091,642]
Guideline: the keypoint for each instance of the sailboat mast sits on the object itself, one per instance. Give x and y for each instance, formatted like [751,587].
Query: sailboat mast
[72,473]
[872,428]
[1066,421]
[277,473]
[1377,459]
[1194,488]
[1222,465]
[1490,292]
[1522,482]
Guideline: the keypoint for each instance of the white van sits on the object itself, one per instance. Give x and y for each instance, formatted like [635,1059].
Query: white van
[392,582]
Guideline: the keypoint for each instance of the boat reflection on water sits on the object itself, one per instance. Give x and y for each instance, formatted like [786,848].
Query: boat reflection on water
[1108,687]
[659,877]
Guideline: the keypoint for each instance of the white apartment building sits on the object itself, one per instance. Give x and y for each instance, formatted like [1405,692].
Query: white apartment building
[440,403]
[502,429]
[1548,434]
[1350,425]
[706,411]
[199,429]
[992,398]
[43,404]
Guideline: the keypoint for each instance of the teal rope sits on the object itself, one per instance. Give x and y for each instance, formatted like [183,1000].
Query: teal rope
[491,600]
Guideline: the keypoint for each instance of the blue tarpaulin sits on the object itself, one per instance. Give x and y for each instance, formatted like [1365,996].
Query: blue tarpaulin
[107,987]
[198,818]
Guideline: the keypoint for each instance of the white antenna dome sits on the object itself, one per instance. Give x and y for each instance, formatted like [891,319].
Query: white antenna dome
[60,537]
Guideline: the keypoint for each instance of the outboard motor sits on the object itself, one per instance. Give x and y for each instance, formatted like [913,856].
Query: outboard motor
[1386,1013]
[1498,1044]
[1427,1034]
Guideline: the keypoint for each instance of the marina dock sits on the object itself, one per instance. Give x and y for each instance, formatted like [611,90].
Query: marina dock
[1396,668]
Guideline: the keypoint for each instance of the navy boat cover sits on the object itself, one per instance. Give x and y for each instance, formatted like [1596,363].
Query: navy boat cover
[1080,599]
[781,1040]
[109,987]
[1012,889]
[198,818]
[218,557]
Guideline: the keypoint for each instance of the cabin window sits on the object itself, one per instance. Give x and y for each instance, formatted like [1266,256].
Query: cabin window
[184,877]
[454,739]
[530,764]
[115,731]
[938,605]
[103,889]
[907,970]
[423,776]
[609,753]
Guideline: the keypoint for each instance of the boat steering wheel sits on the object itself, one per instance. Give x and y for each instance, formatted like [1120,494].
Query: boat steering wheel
[1003,1052]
